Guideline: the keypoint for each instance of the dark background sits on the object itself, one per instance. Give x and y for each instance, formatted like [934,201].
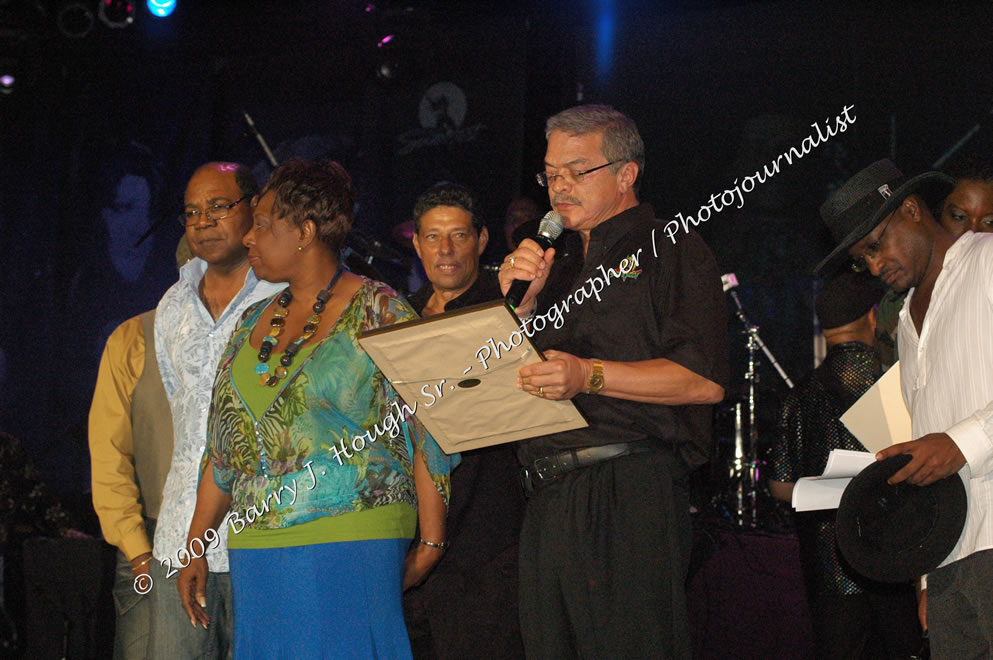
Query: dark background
[717,89]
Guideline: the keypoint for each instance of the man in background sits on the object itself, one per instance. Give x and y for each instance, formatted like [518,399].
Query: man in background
[520,211]
[468,606]
[130,437]
[449,237]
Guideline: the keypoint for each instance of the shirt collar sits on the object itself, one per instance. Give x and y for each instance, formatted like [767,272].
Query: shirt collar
[484,289]
[193,271]
[954,253]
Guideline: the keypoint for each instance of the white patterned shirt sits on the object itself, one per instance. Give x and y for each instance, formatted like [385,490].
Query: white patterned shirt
[947,376]
[188,345]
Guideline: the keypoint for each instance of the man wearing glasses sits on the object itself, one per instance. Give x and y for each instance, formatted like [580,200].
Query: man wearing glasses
[606,536]
[193,322]
[881,219]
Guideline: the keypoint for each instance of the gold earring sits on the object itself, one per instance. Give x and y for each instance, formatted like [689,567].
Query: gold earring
[299,248]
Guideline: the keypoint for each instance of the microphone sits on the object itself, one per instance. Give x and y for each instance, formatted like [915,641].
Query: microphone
[549,229]
[729,281]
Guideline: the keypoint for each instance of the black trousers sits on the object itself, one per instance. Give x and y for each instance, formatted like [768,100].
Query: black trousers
[604,555]
[960,608]
[873,625]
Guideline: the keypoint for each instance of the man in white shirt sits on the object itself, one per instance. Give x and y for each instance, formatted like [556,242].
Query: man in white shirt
[882,220]
[193,322]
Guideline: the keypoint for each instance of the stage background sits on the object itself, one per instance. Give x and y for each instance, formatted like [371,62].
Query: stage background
[101,134]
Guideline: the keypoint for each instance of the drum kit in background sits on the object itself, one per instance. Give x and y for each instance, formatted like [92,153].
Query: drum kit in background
[735,486]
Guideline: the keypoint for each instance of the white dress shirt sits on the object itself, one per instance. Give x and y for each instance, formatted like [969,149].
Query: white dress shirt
[947,376]
[188,344]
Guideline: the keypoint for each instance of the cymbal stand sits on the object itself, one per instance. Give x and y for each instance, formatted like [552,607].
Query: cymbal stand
[745,470]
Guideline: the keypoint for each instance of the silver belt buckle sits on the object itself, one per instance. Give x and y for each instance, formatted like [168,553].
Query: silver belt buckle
[527,481]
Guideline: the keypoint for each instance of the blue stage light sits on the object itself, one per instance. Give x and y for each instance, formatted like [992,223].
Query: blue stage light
[606,31]
[161,8]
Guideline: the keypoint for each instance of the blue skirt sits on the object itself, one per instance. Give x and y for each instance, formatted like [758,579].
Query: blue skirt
[329,600]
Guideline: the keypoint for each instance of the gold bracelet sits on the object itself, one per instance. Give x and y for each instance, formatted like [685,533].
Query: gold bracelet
[441,546]
[150,558]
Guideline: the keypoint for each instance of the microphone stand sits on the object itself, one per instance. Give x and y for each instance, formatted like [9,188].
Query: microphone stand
[258,137]
[250,125]
[971,133]
[745,469]
[155,225]
[254,131]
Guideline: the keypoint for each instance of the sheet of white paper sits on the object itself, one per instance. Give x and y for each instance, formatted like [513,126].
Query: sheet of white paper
[814,494]
[846,463]
[824,492]
[880,417]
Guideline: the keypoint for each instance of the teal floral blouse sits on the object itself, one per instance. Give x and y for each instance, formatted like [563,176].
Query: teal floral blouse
[336,394]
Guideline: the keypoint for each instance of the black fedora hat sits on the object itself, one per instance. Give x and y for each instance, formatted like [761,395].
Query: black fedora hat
[854,209]
[898,533]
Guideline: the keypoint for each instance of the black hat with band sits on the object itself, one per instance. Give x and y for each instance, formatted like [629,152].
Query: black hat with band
[855,209]
[898,532]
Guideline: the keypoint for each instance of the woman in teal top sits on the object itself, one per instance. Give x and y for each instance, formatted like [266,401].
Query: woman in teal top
[321,512]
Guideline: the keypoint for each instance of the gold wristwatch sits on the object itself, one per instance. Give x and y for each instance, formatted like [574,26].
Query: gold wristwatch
[596,378]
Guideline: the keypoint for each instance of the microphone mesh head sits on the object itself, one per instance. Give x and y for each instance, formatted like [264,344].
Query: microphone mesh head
[551,225]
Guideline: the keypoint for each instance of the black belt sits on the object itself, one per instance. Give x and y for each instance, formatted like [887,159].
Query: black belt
[547,469]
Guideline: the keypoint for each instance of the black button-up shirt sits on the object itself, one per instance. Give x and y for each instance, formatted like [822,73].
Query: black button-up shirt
[671,305]
[487,503]
[484,289]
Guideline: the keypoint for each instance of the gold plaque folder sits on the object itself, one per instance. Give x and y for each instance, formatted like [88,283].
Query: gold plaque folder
[458,371]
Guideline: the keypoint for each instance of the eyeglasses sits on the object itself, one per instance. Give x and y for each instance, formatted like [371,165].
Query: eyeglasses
[872,250]
[215,212]
[544,179]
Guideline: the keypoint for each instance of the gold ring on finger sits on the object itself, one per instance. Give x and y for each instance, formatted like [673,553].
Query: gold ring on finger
[512,262]
[541,391]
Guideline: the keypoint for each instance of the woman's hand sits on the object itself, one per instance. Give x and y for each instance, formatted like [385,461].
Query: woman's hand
[212,505]
[431,513]
[420,560]
[192,584]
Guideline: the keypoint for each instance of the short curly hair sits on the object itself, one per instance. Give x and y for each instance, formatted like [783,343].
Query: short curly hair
[320,191]
[448,194]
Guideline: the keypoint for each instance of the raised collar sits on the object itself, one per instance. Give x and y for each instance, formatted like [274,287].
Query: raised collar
[957,251]
[953,257]
[194,269]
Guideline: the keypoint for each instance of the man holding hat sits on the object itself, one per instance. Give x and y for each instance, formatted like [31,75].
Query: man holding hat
[882,220]
[850,614]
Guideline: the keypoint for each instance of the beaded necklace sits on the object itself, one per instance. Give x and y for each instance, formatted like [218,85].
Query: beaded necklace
[271,377]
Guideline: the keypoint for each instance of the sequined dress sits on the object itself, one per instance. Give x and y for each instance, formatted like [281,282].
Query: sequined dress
[808,430]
